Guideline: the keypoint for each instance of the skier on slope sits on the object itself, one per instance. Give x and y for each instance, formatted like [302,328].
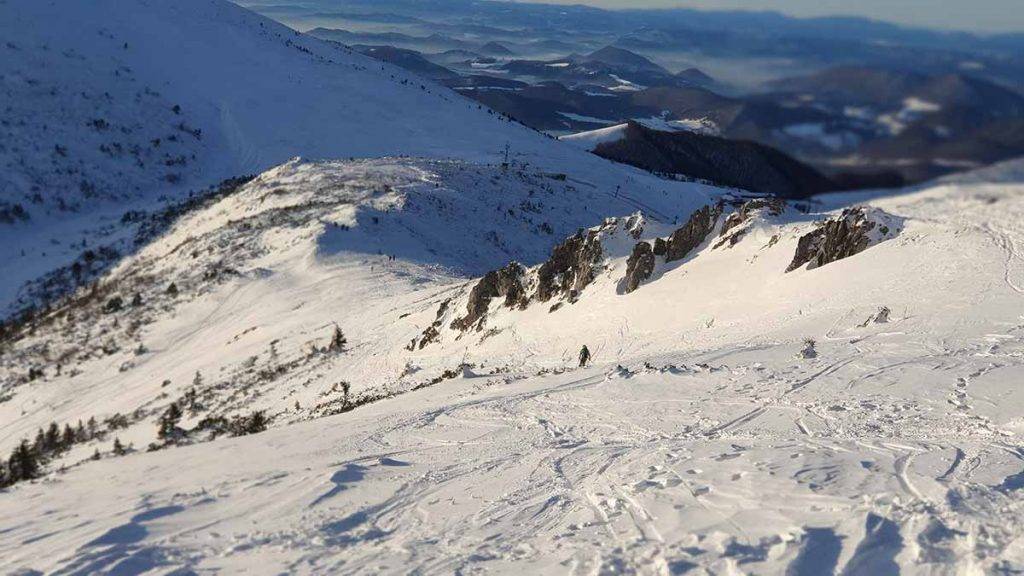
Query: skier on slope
[584,356]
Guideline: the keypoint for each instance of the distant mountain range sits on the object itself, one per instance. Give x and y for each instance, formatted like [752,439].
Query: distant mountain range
[856,125]
[861,101]
[762,40]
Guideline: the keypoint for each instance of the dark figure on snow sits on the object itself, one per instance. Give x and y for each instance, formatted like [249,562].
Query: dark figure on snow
[584,356]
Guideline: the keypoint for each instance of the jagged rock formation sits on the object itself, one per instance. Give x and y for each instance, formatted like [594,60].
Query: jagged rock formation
[851,233]
[660,246]
[575,263]
[640,266]
[571,266]
[505,283]
[733,229]
[774,206]
[693,233]
[635,225]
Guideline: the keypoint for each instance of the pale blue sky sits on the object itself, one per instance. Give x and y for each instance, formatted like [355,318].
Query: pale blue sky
[974,15]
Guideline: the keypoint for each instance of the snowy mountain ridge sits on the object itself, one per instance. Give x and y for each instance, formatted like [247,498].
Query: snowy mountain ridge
[264,276]
[347,365]
[126,105]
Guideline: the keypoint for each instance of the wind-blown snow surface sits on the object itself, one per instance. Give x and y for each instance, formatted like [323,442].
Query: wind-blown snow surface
[702,438]
[111,105]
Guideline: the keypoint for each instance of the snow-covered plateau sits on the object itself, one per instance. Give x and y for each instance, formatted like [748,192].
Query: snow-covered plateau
[366,359]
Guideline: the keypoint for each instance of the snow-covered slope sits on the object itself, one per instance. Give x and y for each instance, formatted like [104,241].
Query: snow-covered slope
[822,388]
[115,104]
[709,432]
[323,233]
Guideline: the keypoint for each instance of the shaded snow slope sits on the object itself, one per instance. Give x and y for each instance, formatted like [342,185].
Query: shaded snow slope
[709,432]
[116,104]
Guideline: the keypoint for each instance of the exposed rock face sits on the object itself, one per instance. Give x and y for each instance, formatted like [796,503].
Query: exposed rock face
[640,266]
[571,266]
[774,206]
[433,332]
[849,234]
[733,227]
[660,246]
[635,225]
[505,283]
[693,233]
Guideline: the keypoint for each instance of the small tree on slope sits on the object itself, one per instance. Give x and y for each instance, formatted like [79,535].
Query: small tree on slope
[169,422]
[338,341]
[23,464]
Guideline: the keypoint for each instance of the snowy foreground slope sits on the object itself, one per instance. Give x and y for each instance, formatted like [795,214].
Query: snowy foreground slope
[708,436]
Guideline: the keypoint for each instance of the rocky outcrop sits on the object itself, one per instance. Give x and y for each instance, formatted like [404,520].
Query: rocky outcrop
[635,225]
[693,233]
[774,206]
[734,227]
[504,283]
[660,247]
[641,263]
[639,267]
[571,266]
[851,233]
[433,332]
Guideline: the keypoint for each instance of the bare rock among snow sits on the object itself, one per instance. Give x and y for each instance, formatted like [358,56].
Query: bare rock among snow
[635,225]
[432,333]
[880,317]
[660,246]
[571,267]
[639,266]
[854,231]
[735,226]
[504,283]
[693,233]
[809,350]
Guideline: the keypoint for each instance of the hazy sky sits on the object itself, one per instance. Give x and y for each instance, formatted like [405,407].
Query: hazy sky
[974,15]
